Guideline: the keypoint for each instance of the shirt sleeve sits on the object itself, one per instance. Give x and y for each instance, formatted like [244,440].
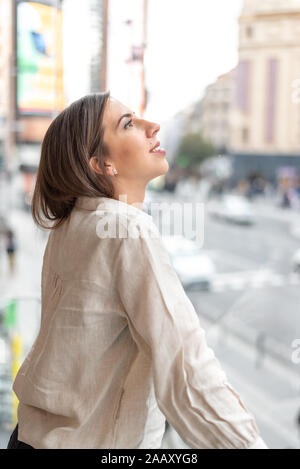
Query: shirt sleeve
[259,444]
[191,388]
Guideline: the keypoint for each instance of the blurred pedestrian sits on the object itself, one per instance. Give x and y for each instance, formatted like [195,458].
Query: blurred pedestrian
[260,349]
[285,202]
[11,249]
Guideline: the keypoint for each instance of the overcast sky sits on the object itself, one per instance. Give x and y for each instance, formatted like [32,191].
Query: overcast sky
[190,43]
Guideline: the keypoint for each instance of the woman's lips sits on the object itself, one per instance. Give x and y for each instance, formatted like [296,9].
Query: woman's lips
[159,151]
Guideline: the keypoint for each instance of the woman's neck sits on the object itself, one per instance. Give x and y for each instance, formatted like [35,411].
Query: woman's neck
[131,197]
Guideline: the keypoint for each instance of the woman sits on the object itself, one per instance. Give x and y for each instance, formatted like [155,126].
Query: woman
[120,348]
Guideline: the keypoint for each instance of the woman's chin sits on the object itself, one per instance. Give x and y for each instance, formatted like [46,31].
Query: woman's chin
[164,167]
[160,170]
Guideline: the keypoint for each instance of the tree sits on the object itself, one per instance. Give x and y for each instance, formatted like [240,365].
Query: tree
[193,150]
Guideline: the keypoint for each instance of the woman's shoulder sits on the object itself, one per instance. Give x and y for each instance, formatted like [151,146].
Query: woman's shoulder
[122,225]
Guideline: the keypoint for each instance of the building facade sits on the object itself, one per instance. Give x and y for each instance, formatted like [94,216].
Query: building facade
[48,53]
[210,116]
[6,85]
[265,117]
[127,40]
[84,45]
[31,88]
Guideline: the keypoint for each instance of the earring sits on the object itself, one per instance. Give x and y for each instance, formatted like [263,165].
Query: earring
[115,172]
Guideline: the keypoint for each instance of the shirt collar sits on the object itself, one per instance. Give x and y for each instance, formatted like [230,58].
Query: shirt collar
[110,204]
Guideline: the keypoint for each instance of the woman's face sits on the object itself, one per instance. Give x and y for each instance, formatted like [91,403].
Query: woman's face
[129,140]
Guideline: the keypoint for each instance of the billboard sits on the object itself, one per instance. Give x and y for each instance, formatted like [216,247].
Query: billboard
[39,83]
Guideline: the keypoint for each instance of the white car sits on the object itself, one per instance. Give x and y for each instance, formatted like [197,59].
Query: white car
[193,267]
[296,261]
[233,208]
[295,230]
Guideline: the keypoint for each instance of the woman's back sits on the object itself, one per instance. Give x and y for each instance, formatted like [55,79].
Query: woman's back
[84,362]
[120,347]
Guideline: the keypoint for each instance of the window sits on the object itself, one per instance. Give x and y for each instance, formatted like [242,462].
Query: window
[245,135]
[243,71]
[249,32]
[271,92]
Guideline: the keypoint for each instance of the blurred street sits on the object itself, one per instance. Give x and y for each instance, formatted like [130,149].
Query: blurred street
[254,282]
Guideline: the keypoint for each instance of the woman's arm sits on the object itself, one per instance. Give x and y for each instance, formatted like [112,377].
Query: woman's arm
[191,388]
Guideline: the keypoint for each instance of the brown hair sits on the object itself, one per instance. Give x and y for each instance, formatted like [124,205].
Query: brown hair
[64,173]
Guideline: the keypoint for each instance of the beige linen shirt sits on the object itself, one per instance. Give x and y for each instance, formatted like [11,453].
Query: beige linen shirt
[120,347]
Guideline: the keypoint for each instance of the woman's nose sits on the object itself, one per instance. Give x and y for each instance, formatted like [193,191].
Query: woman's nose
[153,128]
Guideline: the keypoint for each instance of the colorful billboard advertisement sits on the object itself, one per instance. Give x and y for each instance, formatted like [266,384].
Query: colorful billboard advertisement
[39,58]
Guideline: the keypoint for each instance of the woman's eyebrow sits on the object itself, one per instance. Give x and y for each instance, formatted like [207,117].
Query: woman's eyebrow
[124,115]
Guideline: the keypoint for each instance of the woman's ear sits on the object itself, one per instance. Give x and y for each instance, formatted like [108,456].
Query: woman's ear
[94,163]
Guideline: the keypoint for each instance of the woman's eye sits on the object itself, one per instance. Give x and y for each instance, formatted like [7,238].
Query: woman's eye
[125,126]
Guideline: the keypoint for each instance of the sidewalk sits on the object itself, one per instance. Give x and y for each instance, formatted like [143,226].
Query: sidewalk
[23,284]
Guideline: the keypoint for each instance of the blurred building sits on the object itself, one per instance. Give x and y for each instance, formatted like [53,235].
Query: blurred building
[6,84]
[51,53]
[127,38]
[265,119]
[31,81]
[38,80]
[211,115]
[85,29]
